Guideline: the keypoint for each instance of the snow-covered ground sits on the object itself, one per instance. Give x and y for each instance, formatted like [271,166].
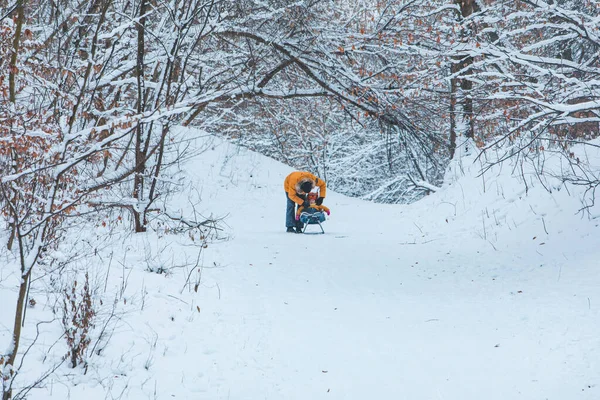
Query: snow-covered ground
[480,291]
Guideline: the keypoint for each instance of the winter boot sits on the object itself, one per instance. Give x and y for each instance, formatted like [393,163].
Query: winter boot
[290,230]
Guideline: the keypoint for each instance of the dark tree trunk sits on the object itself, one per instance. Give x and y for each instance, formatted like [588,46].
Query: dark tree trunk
[12,73]
[140,145]
[461,101]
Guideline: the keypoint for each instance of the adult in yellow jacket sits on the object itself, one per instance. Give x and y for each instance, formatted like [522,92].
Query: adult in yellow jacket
[297,185]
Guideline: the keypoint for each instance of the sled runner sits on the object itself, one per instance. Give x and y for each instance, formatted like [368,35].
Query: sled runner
[312,219]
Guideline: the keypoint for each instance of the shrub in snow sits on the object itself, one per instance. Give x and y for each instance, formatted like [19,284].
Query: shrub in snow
[78,320]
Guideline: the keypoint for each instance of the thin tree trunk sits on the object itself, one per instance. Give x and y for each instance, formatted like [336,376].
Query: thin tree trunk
[466,85]
[14,349]
[140,146]
[452,147]
[13,70]
[25,274]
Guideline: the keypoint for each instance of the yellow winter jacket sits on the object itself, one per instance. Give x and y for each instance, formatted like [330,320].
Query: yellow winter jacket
[295,179]
[316,207]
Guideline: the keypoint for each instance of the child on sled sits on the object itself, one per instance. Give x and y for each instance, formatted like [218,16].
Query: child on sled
[313,214]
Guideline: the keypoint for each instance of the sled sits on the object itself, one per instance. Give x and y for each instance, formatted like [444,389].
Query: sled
[312,219]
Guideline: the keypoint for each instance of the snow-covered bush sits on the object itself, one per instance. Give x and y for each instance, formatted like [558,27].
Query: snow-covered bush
[78,319]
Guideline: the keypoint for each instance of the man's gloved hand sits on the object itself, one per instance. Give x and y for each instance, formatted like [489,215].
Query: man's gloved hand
[320,200]
[306,204]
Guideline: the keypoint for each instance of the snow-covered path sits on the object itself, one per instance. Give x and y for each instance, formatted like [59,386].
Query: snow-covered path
[492,296]
[384,307]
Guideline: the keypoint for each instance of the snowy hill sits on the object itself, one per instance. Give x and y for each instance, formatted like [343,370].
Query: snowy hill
[479,291]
